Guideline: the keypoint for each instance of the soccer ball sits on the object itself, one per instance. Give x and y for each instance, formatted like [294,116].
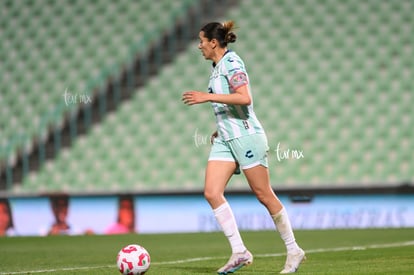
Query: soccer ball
[133,259]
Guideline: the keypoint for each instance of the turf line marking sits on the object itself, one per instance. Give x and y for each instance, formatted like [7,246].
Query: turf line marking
[346,248]
[57,270]
[308,251]
[200,259]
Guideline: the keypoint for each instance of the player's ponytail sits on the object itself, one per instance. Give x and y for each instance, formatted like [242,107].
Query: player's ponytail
[230,36]
[223,33]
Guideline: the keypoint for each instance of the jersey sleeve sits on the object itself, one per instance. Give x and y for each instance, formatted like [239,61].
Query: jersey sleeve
[236,73]
[238,79]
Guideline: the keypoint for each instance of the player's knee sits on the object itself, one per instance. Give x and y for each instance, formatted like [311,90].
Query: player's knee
[212,195]
[209,195]
[264,198]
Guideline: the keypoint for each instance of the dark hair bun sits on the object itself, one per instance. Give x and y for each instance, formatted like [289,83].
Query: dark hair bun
[230,37]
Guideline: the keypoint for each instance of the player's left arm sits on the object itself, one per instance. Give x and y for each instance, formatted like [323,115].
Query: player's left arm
[240,93]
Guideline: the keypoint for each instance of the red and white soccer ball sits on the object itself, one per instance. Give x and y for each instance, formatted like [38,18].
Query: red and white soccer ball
[133,259]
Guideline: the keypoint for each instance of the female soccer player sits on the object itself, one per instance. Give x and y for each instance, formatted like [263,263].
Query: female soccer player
[239,141]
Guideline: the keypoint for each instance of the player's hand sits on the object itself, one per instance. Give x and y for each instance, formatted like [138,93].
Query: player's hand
[194,97]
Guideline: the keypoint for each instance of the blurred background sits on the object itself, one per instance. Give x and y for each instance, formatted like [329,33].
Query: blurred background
[90,95]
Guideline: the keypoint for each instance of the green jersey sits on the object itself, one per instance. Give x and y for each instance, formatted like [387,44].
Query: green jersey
[233,121]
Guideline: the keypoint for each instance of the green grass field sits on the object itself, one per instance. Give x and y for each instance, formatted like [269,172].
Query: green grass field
[378,251]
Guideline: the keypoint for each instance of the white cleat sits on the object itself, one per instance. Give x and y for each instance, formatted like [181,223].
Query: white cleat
[237,261]
[293,261]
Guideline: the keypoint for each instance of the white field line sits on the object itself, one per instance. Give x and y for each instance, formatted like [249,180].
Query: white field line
[308,251]
[200,259]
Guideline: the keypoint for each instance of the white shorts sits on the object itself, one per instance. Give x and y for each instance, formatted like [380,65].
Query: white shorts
[249,151]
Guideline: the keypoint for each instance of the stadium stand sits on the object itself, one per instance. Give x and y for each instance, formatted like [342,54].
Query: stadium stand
[50,47]
[335,89]
[53,50]
[331,79]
